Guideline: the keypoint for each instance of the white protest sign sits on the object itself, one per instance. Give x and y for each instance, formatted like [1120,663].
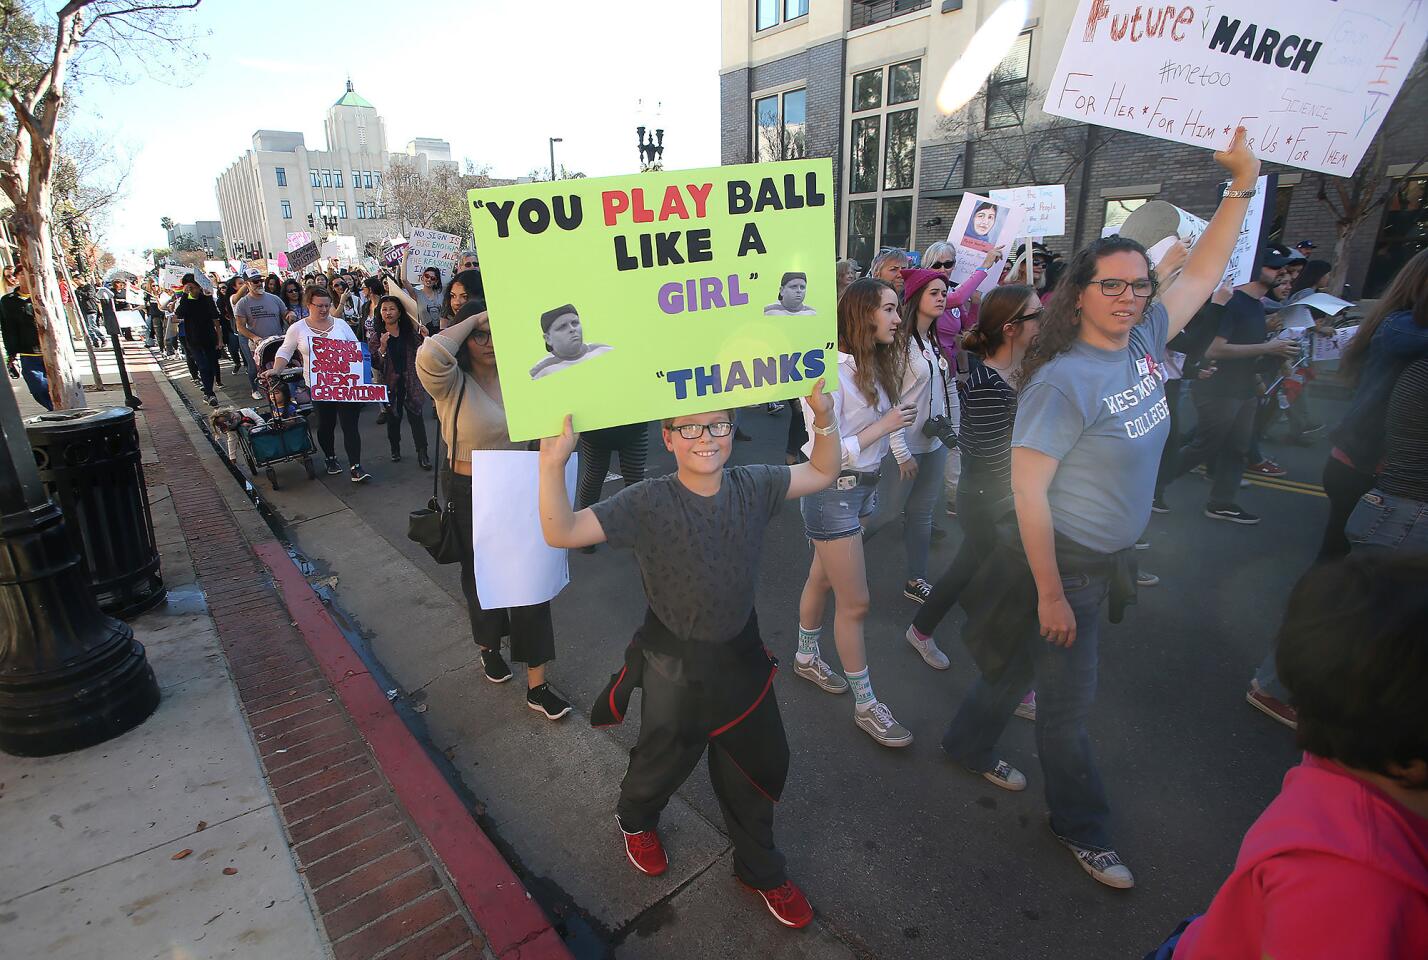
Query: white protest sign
[1252,232]
[1330,348]
[172,275]
[514,566]
[1156,225]
[982,224]
[1043,208]
[431,248]
[1326,303]
[1310,80]
[341,370]
[297,239]
[339,248]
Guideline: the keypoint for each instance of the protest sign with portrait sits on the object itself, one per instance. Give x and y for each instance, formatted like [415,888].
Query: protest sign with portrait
[670,293]
[980,226]
[1043,208]
[341,370]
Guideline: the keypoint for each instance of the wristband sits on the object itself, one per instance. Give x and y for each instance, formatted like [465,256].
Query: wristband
[1240,194]
[827,431]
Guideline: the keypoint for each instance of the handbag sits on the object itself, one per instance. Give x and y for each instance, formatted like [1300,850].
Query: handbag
[434,526]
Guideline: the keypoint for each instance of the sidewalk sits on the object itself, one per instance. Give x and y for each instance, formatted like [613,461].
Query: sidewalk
[314,824]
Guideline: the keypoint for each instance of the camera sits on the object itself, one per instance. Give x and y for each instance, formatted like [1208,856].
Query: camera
[941,428]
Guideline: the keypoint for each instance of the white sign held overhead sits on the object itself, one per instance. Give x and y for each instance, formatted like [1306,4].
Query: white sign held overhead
[980,226]
[1310,80]
[431,248]
[1043,208]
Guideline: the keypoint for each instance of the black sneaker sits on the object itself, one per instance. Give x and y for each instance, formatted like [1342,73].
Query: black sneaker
[332,468]
[359,475]
[1158,505]
[496,668]
[546,701]
[1230,512]
[396,456]
[917,590]
[1142,544]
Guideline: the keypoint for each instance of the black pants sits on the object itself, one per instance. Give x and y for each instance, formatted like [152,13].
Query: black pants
[1170,456]
[188,357]
[530,628]
[395,414]
[797,430]
[1223,429]
[1343,485]
[631,442]
[667,753]
[329,414]
[978,511]
[203,360]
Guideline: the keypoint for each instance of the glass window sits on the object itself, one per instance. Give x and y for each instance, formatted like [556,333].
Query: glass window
[1282,196]
[377,179]
[862,228]
[356,179]
[863,159]
[367,179]
[282,176]
[794,8]
[1401,234]
[868,90]
[361,211]
[795,146]
[287,210]
[767,145]
[315,181]
[897,222]
[1006,88]
[317,207]
[337,179]
[327,178]
[905,82]
[766,15]
[1118,210]
[342,209]
[898,166]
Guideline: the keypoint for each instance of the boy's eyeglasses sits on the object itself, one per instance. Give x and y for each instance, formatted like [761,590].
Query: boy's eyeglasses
[693,431]
[1115,287]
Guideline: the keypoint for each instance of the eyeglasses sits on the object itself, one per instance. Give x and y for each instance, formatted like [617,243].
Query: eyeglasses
[480,335]
[1115,287]
[1024,317]
[943,265]
[693,431]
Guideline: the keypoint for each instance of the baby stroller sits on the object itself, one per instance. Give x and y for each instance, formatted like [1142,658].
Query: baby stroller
[265,353]
[286,435]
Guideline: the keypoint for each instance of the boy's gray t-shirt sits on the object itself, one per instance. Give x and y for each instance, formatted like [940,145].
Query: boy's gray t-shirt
[1103,414]
[698,556]
[264,315]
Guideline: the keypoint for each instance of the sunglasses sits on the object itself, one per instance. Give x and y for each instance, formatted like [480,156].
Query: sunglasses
[693,431]
[942,265]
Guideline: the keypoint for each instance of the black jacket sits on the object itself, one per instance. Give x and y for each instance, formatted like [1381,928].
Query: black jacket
[199,316]
[17,325]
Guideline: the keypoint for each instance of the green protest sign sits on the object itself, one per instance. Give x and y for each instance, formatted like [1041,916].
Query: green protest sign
[623,299]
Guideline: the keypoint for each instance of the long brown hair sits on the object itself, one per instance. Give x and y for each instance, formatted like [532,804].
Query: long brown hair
[908,311]
[1409,291]
[998,308]
[1061,318]
[878,364]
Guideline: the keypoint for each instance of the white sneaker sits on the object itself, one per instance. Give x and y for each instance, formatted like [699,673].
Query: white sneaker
[1103,865]
[927,649]
[877,722]
[257,395]
[1005,776]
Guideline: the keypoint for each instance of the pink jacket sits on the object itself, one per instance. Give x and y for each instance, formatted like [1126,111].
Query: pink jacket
[959,316]
[1333,868]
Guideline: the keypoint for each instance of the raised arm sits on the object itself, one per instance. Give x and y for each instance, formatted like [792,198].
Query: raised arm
[436,357]
[824,465]
[561,525]
[1211,254]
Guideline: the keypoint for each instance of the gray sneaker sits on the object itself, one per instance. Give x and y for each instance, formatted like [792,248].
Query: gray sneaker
[1103,865]
[817,672]
[1005,776]
[928,650]
[878,723]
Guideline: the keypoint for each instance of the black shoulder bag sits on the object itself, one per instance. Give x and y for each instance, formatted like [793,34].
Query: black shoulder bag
[433,526]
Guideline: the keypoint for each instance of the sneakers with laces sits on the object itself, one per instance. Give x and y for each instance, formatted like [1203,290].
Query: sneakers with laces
[1266,468]
[645,851]
[1231,513]
[917,590]
[817,672]
[877,722]
[1158,505]
[928,650]
[495,666]
[1144,579]
[1006,776]
[1272,707]
[332,468]
[359,475]
[1103,865]
[788,904]
[543,699]
[1027,708]
[1142,544]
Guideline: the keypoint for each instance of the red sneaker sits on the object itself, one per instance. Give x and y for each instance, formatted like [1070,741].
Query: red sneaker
[1266,468]
[788,905]
[1272,707]
[646,852]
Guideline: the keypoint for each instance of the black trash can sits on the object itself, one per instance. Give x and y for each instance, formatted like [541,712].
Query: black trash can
[89,463]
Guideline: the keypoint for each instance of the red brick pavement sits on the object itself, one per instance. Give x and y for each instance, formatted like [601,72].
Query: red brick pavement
[397,866]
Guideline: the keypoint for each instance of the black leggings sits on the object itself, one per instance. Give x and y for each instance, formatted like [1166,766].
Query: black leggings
[1343,485]
[978,512]
[631,442]
[329,414]
[395,414]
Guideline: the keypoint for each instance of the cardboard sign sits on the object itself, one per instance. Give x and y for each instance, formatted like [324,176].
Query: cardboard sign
[339,248]
[431,248]
[1310,80]
[514,565]
[341,370]
[676,292]
[299,238]
[303,257]
[982,224]
[1043,208]
[393,255]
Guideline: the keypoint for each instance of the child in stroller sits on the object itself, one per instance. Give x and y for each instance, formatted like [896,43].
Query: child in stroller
[280,399]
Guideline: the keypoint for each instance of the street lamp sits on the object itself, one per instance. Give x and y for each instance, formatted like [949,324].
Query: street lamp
[651,148]
[553,142]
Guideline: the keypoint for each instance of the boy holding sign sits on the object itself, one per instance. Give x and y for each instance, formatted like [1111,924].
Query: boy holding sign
[706,676]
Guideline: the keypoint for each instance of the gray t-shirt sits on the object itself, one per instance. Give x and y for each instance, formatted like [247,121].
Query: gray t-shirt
[431,305]
[264,315]
[1103,414]
[698,556]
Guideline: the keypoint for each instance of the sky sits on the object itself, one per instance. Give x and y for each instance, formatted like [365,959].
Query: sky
[496,79]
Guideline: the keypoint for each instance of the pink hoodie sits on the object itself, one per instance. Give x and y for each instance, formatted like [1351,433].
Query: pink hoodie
[959,315]
[1333,868]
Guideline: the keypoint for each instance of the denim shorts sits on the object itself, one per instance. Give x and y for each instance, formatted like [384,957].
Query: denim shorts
[833,514]
[1385,521]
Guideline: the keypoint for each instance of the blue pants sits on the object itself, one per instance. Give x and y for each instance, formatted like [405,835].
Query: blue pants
[914,499]
[1065,682]
[32,370]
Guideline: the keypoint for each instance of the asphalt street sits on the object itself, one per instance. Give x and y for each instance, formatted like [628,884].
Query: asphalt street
[902,853]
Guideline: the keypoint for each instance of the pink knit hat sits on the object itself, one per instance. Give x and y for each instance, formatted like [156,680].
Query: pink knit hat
[914,280]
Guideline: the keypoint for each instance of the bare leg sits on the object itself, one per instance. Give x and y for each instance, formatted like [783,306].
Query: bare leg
[814,599]
[535,676]
[839,564]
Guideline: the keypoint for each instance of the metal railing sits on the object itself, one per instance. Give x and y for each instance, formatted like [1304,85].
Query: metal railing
[868,12]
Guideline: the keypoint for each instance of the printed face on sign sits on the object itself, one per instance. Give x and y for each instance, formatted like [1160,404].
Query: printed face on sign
[793,287]
[565,339]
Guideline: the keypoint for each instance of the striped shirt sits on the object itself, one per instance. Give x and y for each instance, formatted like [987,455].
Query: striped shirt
[988,410]
[1405,468]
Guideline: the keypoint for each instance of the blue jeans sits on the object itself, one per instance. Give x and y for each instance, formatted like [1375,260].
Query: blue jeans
[914,499]
[832,514]
[1065,682]
[1385,521]
[32,371]
[245,348]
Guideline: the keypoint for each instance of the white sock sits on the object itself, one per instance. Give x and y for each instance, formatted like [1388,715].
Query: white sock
[808,644]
